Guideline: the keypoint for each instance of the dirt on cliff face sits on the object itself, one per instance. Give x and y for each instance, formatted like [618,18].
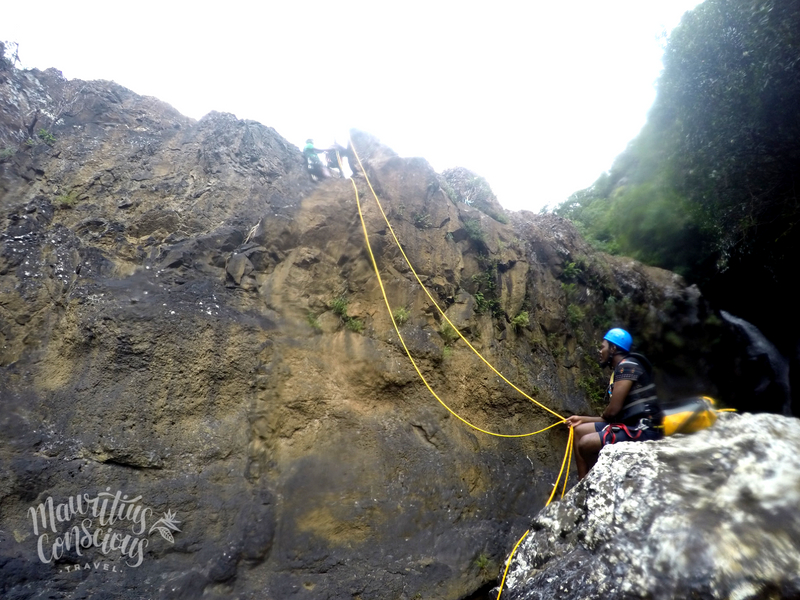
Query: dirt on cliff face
[191,331]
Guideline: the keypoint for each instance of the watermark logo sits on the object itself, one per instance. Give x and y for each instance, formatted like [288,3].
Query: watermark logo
[114,525]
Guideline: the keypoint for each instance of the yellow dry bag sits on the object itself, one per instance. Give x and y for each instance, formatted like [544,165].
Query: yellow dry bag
[689,415]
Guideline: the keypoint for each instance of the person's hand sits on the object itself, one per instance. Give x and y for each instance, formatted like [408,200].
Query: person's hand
[574,421]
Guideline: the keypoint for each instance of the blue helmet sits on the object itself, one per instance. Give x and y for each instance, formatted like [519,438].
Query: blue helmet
[620,338]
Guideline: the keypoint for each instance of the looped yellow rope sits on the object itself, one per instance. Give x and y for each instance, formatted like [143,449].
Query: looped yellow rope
[430,297]
[565,463]
[567,454]
[405,347]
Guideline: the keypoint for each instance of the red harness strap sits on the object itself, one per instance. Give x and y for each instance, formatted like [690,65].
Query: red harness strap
[612,428]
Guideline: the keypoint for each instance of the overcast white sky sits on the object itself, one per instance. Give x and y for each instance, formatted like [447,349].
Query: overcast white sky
[536,97]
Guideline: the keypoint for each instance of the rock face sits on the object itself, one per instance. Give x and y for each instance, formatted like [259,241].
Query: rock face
[202,392]
[710,515]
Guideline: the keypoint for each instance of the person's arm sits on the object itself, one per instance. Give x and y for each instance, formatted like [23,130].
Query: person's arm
[576,420]
[621,389]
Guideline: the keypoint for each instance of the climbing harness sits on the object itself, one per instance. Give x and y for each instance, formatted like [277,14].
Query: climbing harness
[613,428]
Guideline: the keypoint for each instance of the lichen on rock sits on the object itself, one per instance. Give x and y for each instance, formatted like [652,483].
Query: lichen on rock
[709,515]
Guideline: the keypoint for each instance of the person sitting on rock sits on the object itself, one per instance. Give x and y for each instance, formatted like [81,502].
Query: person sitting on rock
[315,166]
[633,413]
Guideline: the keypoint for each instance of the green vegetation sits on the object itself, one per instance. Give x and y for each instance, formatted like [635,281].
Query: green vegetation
[575,315]
[520,321]
[709,187]
[422,221]
[313,321]
[499,217]
[401,315]
[450,192]
[474,231]
[67,200]
[7,153]
[556,347]
[449,335]
[447,352]
[593,390]
[590,385]
[485,282]
[47,137]
[570,290]
[483,562]
[604,319]
[339,306]
[353,324]
[571,271]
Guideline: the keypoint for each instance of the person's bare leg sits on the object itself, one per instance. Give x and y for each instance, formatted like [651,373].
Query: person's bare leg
[581,431]
[589,449]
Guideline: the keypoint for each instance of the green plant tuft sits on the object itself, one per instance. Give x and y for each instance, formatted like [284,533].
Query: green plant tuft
[593,391]
[314,322]
[482,562]
[422,221]
[570,290]
[486,299]
[47,137]
[474,230]
[401,315]
[556,347]
[67,200]
[449,335]
[450,192]
[520,321]
[339,306]
[571,271]
[499,217]
[356,325]
[575,315]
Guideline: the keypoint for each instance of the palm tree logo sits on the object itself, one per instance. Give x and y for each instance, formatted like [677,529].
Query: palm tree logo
[165,524]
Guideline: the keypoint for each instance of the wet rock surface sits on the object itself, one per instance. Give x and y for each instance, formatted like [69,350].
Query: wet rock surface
[191,335]
[710,515]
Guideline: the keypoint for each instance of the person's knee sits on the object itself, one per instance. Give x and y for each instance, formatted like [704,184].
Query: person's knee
[589,445]
[581,431]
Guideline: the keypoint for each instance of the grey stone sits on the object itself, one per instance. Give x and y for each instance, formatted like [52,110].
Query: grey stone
[709,515]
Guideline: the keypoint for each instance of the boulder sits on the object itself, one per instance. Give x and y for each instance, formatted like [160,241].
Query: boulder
[710,515]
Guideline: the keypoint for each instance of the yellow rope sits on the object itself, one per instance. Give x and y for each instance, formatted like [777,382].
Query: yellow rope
[569,459]
[566,462]
[405,347]
[563,464]
[508,563]
[422,285]
[567,454]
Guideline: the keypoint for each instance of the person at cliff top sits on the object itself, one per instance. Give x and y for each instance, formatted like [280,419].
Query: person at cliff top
[315,166]
[633,413]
